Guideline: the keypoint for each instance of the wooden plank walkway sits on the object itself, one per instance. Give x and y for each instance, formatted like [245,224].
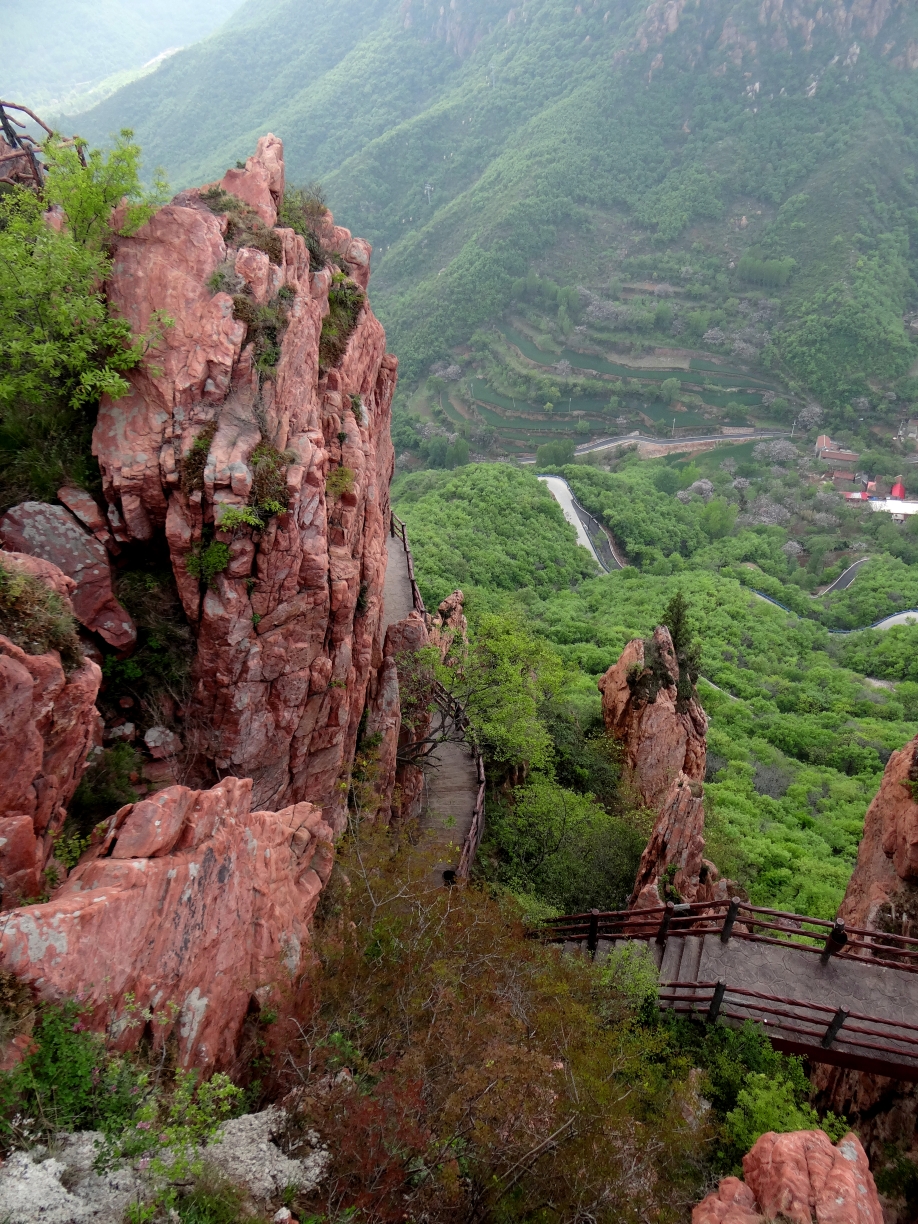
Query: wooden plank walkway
[847,996]
[452,782]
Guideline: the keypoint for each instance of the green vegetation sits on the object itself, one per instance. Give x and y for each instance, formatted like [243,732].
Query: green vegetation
[345,302]
[339,480]
[797,741]
[35,618]
[60,350]
[104,788]
[727,199]
[208,559]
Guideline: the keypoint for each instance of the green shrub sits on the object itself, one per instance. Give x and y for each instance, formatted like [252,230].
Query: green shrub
[266,325]
[206,561]
[104,787]
[345,301]
[195,461]
[239,516]
[339,480]
[554,454]
[767,1104]
[35,618]
[269,483]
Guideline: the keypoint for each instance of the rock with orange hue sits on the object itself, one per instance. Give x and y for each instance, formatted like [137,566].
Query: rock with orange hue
[85,508]
[288,634]
[675,848]
[48,724]
[261,183]
[883,890]
[191,905]
[665,749]
[449,628]
[799,1176]
[882,894]
[731,1203]
[640,710]
[55,535]
[404,639]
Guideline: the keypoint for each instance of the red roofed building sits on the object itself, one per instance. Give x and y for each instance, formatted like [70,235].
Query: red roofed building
[830,452]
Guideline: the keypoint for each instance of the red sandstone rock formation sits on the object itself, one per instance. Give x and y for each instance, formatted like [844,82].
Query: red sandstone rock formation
[48,723]
[190,905]
[54,534]
[801,1177]
[665,748]
[286,634]
[882,894]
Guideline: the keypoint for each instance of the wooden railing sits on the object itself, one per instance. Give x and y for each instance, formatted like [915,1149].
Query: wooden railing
[817,1031]
[448,703]
[737,919]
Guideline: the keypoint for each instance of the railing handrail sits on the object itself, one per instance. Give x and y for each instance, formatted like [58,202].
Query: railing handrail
[824,937]
[476,829]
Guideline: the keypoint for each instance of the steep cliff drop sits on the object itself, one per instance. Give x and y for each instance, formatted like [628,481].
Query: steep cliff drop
[253,449]
[255,438]
[882,894]
[663,737]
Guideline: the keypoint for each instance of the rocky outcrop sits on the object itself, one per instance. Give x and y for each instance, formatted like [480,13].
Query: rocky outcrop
[48,724]
[190,907]
[882,894]
[883,890]
[239,410]
[800,1176]
[665,750]
[54,534]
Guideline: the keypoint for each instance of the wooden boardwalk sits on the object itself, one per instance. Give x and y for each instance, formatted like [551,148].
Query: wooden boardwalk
[451,787]
[844,996]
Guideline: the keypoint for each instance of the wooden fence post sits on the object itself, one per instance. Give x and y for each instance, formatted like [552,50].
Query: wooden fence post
[835,941]
[593,936]
[664,922]
[834,1025]
[717,999]
[729,919]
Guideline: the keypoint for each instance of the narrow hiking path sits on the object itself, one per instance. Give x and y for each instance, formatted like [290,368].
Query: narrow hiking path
[452,783]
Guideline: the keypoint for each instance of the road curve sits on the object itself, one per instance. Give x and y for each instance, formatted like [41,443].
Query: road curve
[560,491]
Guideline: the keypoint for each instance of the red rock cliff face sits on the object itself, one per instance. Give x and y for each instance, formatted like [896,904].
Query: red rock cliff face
[190,907]
[288,633]
[48,723]
[882,894]
[665,750]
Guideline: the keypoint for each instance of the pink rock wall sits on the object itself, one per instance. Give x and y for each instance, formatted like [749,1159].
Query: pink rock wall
[190,905]
[288,635]
[800,1176]
[48,723]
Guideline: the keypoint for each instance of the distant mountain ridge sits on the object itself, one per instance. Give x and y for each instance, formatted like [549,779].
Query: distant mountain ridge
[473,140]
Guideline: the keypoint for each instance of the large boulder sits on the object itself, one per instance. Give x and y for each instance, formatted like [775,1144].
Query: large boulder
[190,907]
[54,534]
[48,724]
[288,633]
[800,1176]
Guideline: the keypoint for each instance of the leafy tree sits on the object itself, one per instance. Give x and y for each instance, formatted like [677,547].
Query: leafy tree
[554,454]
[88,184]
[670,388]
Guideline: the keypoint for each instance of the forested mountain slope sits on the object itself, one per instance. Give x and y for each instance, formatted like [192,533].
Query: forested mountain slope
[590,143]
[55,51]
